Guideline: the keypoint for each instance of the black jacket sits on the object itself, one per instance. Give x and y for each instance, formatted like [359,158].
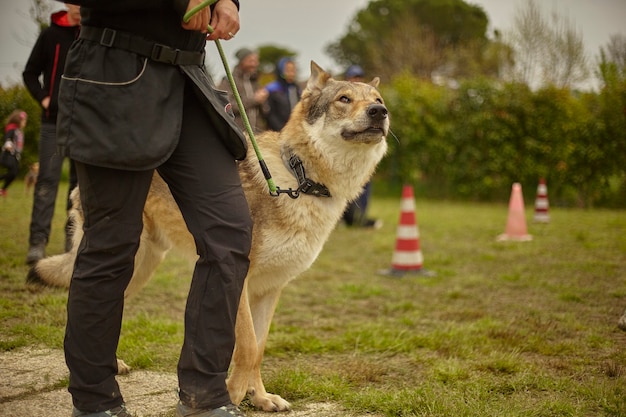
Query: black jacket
[47,59]
[121,109]
[278,105]
[157,20]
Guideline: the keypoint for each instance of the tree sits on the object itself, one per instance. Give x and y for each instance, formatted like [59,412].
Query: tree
[423,37]
[613,57]
[269,55]
[39,11]
[611,111]
[547,52]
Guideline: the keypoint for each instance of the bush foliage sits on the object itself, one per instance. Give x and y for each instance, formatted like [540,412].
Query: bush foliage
[472,142]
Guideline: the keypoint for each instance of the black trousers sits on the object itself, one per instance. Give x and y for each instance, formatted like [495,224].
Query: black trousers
[202,176]
[47,186]
[12,165]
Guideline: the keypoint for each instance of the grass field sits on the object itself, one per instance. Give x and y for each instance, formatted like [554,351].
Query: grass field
[503,329]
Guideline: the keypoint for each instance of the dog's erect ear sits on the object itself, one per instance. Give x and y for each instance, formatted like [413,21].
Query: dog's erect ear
[375,82]
[318,77]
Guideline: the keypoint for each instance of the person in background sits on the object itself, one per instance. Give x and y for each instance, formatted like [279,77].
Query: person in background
[12,146]
[355,213]
[284,94]
[252,96]
[136,99]
[42,76]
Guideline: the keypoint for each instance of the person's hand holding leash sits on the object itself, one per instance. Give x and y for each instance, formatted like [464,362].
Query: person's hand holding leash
[225,20]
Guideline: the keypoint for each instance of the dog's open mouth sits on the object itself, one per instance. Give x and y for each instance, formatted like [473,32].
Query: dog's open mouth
[367,133]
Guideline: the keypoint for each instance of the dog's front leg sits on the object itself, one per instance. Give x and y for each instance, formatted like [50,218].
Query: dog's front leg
[245,350]
[262,308]
[246,371]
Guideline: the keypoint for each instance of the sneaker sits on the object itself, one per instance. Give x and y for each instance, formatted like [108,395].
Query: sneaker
[113,412]
[229,410]
[373,224]
[35,253]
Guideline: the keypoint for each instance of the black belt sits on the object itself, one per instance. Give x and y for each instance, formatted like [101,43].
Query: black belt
[133,43]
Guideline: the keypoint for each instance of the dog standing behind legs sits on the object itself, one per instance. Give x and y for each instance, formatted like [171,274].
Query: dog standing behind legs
[335,138]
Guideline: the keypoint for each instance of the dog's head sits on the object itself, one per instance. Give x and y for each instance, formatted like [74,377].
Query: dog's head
[338,130]
[34,167]
[347,111]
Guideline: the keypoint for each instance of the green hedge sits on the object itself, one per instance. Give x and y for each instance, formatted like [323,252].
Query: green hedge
[472,142]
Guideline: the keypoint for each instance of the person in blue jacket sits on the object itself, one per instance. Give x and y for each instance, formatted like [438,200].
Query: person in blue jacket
[283,94]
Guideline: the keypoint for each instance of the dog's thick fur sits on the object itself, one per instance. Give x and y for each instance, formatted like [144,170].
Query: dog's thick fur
[339,131]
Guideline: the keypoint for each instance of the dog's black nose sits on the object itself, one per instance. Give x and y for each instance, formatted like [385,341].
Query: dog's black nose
[377,111]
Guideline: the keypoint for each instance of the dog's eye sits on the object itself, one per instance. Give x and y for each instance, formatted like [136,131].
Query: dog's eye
[345,99]
[379,100]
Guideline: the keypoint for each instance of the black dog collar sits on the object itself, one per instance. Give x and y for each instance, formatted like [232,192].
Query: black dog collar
[305,185]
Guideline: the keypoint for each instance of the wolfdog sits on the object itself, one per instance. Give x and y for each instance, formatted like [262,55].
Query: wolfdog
[328,150]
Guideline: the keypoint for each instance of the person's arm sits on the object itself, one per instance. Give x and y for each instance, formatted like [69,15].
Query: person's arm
[180,6]
[222,15]
[7,140]
[127,5]
[33,71]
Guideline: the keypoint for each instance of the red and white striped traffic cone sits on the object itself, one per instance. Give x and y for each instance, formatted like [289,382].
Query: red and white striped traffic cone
[541,203]
[407,257]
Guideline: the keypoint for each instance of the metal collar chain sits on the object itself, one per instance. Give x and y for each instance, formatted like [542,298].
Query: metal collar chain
[305,185]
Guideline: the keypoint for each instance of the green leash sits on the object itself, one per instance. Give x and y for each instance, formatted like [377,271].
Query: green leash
[268,177]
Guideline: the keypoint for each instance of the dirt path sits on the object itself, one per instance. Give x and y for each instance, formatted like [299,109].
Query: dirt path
[33,383]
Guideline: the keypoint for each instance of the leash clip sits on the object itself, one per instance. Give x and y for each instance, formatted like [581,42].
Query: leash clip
[290,192]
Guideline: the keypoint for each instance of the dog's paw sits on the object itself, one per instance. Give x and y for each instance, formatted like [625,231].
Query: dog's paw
[122,368]
[269,402]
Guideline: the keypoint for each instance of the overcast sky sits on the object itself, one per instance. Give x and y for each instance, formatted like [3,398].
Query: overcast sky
[308,26]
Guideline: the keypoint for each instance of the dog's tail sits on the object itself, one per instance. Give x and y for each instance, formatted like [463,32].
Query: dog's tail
[57,270]
[52,271]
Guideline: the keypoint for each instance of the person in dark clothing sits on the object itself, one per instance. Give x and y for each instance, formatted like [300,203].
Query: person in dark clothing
[12,146]
[355,213]
[42,76]
[252,96]
[284,93]
[135,98]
